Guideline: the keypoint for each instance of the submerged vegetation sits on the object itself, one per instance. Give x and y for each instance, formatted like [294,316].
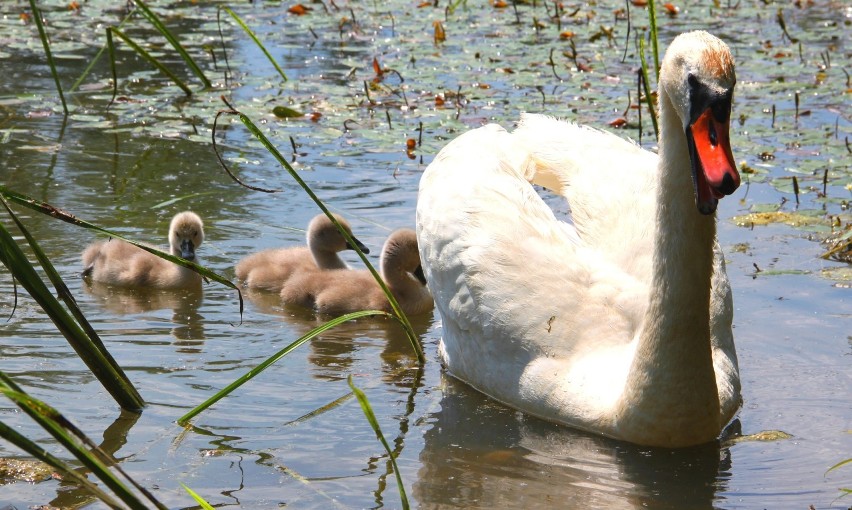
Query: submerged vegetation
[427,80]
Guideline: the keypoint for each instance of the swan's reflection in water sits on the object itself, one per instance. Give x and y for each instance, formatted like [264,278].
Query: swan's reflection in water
[186,326]
[479,454]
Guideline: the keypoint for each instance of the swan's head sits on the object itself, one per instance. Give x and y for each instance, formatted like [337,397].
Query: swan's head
[323,235]
[400,253]
[697,74]
[186,233]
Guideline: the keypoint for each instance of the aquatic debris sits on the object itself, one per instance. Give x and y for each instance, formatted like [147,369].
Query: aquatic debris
[794,219]
[23,470]
[763,436]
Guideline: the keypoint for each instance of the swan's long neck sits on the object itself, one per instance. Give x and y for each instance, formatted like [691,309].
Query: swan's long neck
[672,373]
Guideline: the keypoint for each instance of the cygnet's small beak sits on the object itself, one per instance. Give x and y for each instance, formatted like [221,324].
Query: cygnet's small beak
[187,249]
[361,246]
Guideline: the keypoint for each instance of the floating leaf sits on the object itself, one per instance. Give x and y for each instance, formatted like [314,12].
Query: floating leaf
[299,10]
[440,35]
[283,112]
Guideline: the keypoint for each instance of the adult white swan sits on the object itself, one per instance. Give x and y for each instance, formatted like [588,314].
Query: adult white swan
[619,324]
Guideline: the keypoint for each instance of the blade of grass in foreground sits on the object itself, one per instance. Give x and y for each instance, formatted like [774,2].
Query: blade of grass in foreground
[68,473]
[76,443]
[403,319]
[108,373]
[149,14]
[655,48]
[255,39]
[198,499]
[280,354]
[371,417]
[46,44]
[648,98]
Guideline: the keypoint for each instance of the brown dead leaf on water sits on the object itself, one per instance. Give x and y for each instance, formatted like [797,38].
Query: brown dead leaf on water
[439,35]
[299,10]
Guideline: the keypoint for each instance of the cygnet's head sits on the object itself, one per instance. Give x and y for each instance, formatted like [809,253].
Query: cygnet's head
[400,253]
[323,235]
[186,233]
[697,75]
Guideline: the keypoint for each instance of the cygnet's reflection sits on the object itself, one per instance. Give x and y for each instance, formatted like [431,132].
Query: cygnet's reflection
[480,454]
[188,324]
[333,351]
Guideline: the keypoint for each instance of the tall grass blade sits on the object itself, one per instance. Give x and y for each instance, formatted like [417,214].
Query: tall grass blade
[93,354]
[149,14]
[46,44]
[111,47]
[648,98]
[76,443]
[256,40]
[156,63]
[59,214]
[280,354]
[652,21]
[321,410]
[198,499]
[839,464]
[403,319]
[371,417]
[97,57]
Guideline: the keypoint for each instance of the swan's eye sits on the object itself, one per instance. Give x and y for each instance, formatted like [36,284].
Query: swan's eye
[693,82]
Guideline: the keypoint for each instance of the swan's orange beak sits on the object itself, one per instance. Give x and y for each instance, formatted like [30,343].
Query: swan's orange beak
[714,172]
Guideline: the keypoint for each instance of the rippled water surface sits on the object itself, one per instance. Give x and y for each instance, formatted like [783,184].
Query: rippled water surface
[265,446]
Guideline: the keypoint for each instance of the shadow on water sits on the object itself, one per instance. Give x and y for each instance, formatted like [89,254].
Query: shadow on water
[497,458]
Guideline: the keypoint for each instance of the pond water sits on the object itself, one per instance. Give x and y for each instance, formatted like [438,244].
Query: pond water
[130,169]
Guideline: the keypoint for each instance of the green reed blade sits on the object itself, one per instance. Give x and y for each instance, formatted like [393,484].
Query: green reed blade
[321,410]
[113,380]
[198,499]
[111,47]
[70,437]
[97,57]
[403,319]
[256,40]
[147,56]
[655,48]
[648,98]
[59,214]
[275,357]
[149,14]
[125,386]
[46,44]
[371,417]
[839,464]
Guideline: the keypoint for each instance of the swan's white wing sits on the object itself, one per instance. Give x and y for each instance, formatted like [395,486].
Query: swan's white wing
[610,184]
[514,285]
